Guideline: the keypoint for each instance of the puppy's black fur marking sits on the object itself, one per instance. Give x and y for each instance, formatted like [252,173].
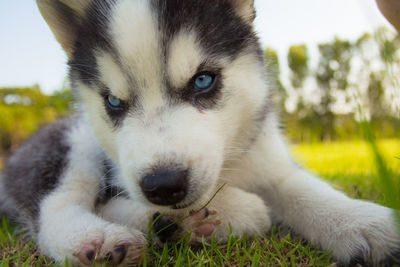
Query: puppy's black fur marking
[35,169]
[232,37]
[163,227]
[92,36]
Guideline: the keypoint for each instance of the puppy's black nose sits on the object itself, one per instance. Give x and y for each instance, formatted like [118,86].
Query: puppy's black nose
[166,187]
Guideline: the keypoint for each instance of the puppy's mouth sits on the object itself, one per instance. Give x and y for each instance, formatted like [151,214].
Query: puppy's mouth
[193,199]
[183,205]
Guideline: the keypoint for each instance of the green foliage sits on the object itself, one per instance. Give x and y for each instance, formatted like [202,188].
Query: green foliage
[310,130]
[62,101]
[272,59]
[376,91]
[388,45]
[298,60]
[24,110]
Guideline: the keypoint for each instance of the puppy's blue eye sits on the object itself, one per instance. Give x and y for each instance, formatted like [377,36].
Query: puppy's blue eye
[203,82]
[114,102]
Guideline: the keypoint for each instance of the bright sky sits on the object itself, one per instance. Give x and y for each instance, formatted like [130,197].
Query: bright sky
[29,54]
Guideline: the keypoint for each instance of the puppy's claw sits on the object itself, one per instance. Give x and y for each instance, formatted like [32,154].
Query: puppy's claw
[203,214]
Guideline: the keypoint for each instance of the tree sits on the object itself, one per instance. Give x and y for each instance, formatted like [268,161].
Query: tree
[332,77]
[298,60]
[377,78]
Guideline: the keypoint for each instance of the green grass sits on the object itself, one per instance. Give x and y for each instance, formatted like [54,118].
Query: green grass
[16,251]
[352,166]
[349,166]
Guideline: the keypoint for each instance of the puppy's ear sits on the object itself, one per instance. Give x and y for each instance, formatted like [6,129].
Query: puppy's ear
[64,18]
[245,9]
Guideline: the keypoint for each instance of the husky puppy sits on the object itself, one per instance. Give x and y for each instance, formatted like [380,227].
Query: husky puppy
[174,106]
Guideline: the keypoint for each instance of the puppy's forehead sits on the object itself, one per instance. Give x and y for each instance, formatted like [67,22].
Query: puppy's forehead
[157,42]
[219,29]
[134,31]
[148,31]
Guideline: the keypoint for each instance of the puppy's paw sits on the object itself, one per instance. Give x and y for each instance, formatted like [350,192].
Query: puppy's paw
[368,236]
[203,226]
[115,245]
[173,227]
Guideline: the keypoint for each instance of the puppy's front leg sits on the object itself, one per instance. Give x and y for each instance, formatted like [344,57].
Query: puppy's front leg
[128,212]
[355,231]
[68,227]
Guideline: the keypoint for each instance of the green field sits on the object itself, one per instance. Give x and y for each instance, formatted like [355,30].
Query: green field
[349,166]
